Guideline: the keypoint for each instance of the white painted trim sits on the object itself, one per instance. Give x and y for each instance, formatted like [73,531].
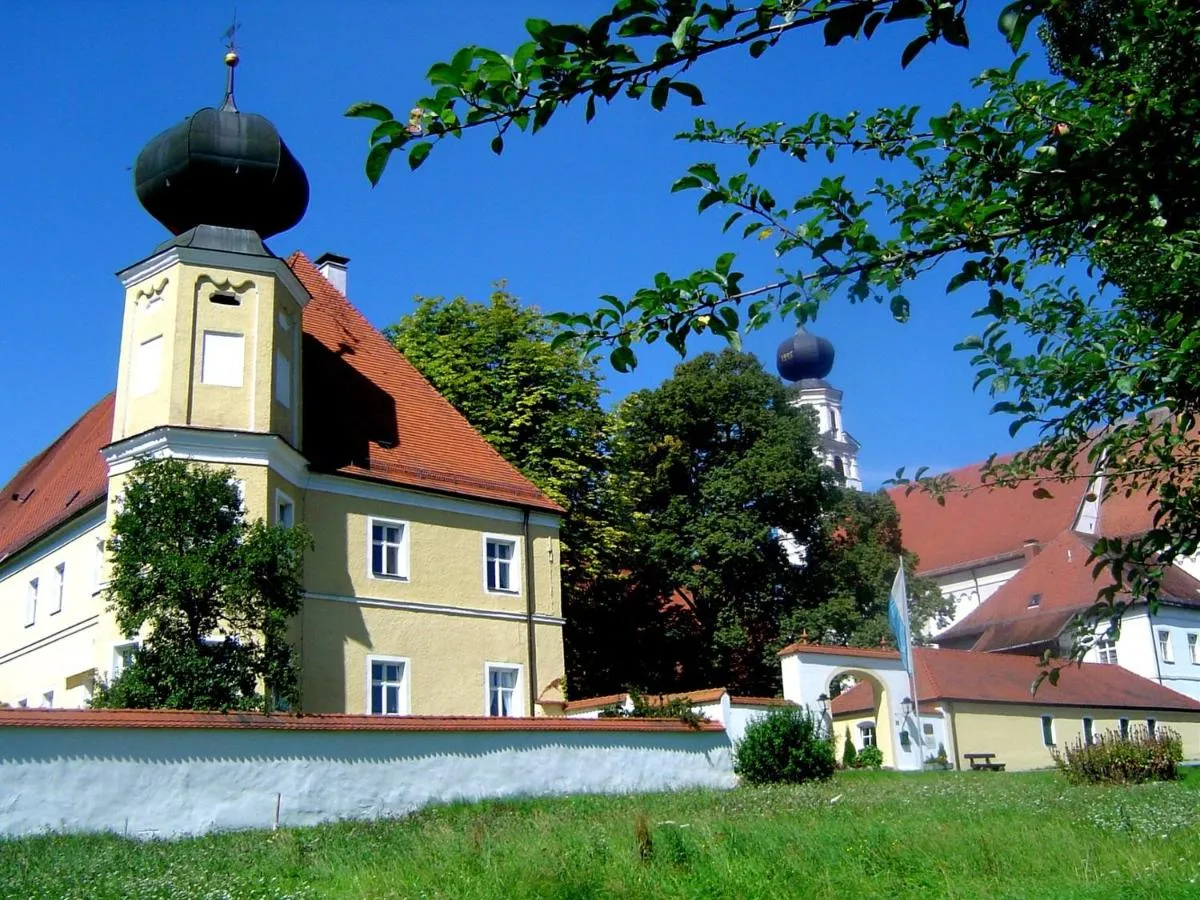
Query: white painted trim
[405,558]
[405,681]
[518,702]
[112,672]
[210,446]
[216,259]
[282,495]
[367,490]
[47,640]
[437,608]
[53,541]
[514,567]
[59,586]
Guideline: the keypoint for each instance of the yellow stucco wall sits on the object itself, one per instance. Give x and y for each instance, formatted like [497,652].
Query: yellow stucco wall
[39,658]
[1014,731]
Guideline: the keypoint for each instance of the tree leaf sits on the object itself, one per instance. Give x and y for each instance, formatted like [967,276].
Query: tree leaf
[915,46]
[367,110]
[377,161]
[417,154]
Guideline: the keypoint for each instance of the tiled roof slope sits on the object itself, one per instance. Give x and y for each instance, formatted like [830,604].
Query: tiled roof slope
[1061,577]
[57,484]
[993,524]
[369,413]
[967,676]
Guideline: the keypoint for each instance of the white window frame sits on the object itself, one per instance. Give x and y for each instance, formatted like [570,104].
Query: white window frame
[98,562]
[1165,650]
[1106,650]
[1193,650]
[60,581]
[47,699]
[213,374]
[518,695]
[514,564]
[282,499]
[867,729]
[31,603]
[118,656]
[402,556]
[404,698]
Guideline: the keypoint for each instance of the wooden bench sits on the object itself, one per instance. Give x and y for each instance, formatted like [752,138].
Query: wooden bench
[982,762]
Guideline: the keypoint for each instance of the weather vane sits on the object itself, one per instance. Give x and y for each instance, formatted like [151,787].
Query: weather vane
[231,61]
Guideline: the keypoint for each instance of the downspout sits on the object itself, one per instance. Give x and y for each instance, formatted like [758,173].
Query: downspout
[1154,644]
[530,607]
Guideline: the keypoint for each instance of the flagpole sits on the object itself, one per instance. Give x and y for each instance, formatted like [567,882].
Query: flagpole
[908,656]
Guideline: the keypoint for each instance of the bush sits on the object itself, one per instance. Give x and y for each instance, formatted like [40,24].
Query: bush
[1112,759]
[645,706]
[870,757]
[849,754]
[785,746]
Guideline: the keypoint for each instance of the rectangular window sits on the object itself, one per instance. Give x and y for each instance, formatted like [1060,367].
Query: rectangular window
[389,548]
[1192,648]
[283,379]
[1164,646]
[868,735]
[1048,731]
[60,579]
[147,367]
[1106,650]
[1150,723]
[502,690]
[98,564]
[285,510]
[1087,730]
[388,686]
[1123,725]
[927,729]
[1035,600]
[500,558]
[123,655]
[222,359]
[31,599]
[48,700]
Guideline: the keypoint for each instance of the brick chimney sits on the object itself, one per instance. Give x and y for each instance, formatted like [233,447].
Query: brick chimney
[1032,548]
[333,268]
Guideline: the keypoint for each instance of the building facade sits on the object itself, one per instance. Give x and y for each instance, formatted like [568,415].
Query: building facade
[433,584]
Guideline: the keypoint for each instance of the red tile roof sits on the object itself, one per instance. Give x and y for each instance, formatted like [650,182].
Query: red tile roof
[698,697]
[834,650]
[969,676]
[165,718]
[1061,577]
[861,698]
[368,413]
[59,483]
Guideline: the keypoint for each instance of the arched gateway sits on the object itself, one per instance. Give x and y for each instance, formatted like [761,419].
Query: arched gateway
[810,669]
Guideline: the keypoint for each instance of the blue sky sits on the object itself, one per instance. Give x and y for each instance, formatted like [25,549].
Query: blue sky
[574,212]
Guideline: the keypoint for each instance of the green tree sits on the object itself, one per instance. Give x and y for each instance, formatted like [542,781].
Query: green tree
[718,462]
[1095,167]
[539,406]
[211,592]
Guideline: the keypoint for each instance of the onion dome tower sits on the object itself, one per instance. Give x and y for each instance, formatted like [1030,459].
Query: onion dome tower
[212,329]
[223,168]
[806,359]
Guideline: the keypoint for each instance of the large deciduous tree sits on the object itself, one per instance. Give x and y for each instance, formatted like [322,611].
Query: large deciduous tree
[1095,168]
[211,593]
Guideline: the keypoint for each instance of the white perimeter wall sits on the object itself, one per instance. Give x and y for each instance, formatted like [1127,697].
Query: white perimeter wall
[166,782]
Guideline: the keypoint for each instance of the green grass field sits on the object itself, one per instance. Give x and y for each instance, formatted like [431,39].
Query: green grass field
[965,835]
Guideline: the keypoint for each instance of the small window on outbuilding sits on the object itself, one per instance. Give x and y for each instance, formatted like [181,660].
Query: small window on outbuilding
[1048,730]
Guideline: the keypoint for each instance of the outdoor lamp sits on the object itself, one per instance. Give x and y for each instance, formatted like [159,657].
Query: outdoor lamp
[824,701]
[907,703]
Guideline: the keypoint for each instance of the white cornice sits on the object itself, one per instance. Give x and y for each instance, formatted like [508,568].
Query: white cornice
[54,540]
[228,448]
[438,609]
[369,490]
[216,259]
[224,448]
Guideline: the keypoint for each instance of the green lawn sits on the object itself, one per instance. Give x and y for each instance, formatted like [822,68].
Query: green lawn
[965,835]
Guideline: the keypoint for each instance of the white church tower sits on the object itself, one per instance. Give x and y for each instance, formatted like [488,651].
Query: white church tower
[806,359]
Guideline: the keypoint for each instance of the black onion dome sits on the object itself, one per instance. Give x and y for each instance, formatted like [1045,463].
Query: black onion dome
[804,356]
[225,168]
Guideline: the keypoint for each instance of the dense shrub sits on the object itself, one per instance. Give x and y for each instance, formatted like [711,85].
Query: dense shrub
[785,746]
[1112,759]
[870,757]
[646,706]
[849,754]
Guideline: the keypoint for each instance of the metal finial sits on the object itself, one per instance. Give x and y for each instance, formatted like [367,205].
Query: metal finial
[231,61]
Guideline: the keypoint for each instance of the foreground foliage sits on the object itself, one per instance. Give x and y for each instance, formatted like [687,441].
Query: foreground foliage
[210,593]
[1113,759]
[786,746]
[962,835]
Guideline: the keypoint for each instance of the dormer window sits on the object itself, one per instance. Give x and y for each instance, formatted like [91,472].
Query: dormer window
[1035,600]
